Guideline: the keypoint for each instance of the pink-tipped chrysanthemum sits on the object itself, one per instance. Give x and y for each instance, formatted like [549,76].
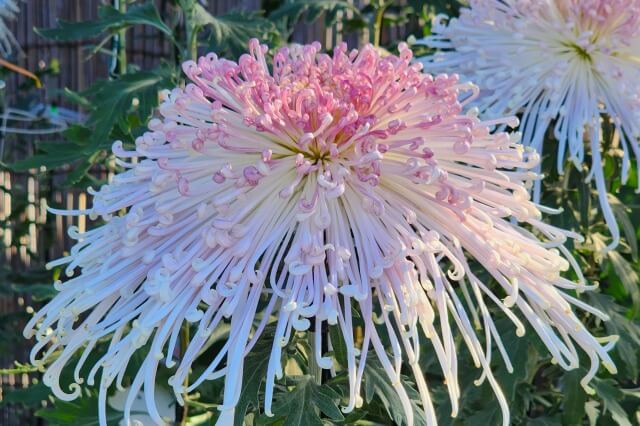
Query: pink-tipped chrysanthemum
[565,62]
[322,184]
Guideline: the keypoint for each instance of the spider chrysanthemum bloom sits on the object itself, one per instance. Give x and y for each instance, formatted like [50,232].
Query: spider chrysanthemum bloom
[321,185]
[556,61]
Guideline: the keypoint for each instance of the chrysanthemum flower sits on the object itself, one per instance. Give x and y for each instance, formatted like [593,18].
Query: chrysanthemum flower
[326,184]
[562,61]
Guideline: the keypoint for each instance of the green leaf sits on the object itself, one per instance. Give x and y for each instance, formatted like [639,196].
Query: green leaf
[608,391]
[490,415]
[254,372]
[229,34]
[109,20]
[376,383]
[291,11]
[38,292]
[593,412]
[31,396]
[113,99]
[523,358]
[629,331]
[574,397]
[545,421]
[77,134]
[621,212]
[112,110]
[55,154]
[80,412]
[79,171]
[339,345]
[628,276]
[301,406]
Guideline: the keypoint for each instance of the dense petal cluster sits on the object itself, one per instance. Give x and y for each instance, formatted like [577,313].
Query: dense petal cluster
[322,185]
[562,61]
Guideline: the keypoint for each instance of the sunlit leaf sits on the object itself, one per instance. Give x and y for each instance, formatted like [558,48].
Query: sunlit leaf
[376,383]
[608,391]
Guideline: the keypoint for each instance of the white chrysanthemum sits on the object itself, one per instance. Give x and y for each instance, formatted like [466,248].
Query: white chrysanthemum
[8,11]
[326,184]
[567,61]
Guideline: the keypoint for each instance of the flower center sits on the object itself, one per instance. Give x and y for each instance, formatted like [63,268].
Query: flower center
[582,51]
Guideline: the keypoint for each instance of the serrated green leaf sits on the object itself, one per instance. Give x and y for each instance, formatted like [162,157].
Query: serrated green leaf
[376,383]
[301,406]
[109,20]
[608,391]
[55,154]
[230,33]
[291,11]
[629,331]
[592,409]
[254,373]
[112,99]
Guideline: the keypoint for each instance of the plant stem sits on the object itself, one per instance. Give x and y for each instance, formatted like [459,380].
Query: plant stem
[122,42]
[191,36]
[377,24]
[184,343]
[314,369]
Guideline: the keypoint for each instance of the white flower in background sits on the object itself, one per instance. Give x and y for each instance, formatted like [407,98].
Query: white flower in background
[326,184]
[565,62]
[8,11]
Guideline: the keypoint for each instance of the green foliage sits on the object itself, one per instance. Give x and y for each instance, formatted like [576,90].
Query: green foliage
[539,392]
[229,34]
[575,399]
[303,404]
[291,11]
[80,412]
[254,373]
[376,384]
[112,101]
[109,22]
[31,397]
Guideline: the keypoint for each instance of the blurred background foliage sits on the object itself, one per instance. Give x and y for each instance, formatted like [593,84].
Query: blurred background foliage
[117,108]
